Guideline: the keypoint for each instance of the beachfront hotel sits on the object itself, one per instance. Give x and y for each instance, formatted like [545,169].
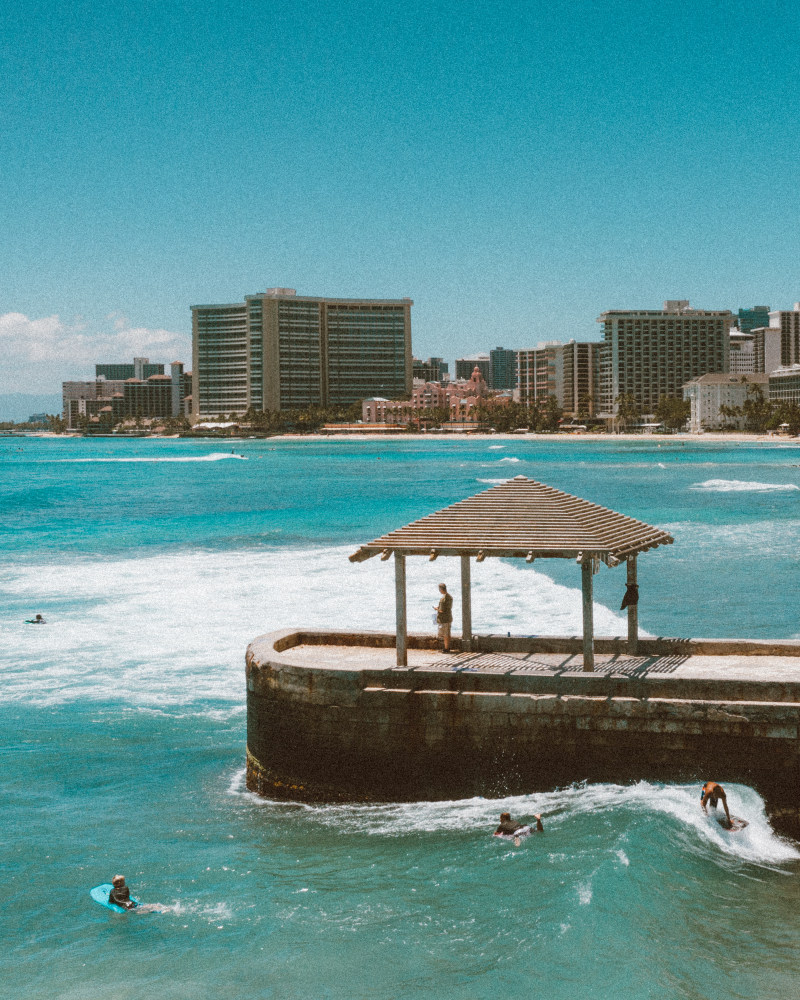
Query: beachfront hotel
[570,372]
[278,350]
[145,393]
[788,322]
[653,353]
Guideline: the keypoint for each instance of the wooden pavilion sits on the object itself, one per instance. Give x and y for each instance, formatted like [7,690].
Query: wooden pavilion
[521,519]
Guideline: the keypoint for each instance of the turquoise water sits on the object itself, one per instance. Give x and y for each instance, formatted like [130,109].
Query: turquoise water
[122,731]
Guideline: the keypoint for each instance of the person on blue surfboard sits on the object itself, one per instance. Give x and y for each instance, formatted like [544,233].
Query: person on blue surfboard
[120,894]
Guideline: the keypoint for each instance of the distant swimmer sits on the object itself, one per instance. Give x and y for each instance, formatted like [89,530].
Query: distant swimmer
[711,794]
[510,828]
[38,620]
[120,894]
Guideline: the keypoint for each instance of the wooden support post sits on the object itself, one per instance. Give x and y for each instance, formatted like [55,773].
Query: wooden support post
[588,619]
[466,605]
[633,611]
[400,608]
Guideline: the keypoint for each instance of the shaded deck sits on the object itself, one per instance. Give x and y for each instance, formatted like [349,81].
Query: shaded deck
[766,668]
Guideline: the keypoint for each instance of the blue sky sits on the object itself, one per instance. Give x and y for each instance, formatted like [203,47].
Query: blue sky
[514,168]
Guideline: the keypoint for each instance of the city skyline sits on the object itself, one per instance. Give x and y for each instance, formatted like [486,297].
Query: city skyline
[516,172]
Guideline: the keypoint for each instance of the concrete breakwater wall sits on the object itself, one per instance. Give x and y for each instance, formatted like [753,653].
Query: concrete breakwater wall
[330,718]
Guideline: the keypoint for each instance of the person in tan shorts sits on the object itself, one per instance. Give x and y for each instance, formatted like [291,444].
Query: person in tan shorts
[444,616]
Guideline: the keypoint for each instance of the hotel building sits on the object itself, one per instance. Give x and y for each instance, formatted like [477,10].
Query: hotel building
[788,322]
[649,354]
[279,351]
[709,393]
[570,372]
[157,396]
[784,385]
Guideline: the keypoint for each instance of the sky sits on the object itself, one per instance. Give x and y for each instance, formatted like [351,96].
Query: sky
[514,168]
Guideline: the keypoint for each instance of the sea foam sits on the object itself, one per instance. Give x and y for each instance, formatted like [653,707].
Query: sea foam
[678,806]
[741,486]
[171,629]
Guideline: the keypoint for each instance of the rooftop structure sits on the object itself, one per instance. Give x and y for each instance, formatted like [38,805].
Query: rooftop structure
[520,519]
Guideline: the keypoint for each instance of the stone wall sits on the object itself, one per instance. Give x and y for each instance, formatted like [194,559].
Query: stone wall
[315,733]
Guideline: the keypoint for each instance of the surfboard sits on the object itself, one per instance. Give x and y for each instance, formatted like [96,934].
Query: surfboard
[100,895]
[524,831]
[737,823]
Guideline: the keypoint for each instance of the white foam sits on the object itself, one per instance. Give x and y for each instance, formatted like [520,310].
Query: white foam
[509,459]
[216,456]
[493,481]
[171,629]
[492,447]
[741,486]
[679,805]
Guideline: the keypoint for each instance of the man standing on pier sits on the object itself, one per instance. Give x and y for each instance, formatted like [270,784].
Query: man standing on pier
[444,616]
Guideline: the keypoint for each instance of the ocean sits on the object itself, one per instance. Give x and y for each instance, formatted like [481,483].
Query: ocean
[122,730]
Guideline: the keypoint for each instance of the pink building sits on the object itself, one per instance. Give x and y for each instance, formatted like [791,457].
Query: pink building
[461,399]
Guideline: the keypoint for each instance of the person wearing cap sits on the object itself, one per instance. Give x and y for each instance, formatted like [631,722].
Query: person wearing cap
[444,616]
[508,827]
[120,893]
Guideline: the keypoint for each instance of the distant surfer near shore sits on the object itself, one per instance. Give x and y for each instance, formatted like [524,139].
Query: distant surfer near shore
[509,828]
[38,620]
[712,793]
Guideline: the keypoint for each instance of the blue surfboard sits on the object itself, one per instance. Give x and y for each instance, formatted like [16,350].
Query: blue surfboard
[100,895]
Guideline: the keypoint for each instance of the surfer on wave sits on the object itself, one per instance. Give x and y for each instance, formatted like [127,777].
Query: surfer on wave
[711,794]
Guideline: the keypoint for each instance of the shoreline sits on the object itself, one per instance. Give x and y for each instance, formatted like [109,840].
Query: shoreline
[739,437]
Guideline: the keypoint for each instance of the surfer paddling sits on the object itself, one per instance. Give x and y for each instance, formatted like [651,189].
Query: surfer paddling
[712,794]
[510,828]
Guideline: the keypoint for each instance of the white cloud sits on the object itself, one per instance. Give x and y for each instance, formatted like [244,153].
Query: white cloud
[38,354]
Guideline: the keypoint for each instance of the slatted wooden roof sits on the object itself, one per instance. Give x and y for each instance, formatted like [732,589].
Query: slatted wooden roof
[521,518]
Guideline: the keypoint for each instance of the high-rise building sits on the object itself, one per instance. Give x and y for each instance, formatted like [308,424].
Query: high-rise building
[466,366]
[581,377]
[141,368]
[280,351]
[788,322]
[159,395]
[570,372]
[742,351]
[784,385]
[432,370]
[649,354]
[749,319]
[767,348]
[540,372]
[503,369]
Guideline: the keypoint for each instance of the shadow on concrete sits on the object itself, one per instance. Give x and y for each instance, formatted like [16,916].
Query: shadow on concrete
[556,665]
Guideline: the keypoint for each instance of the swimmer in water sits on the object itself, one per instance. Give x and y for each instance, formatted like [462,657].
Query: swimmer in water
[509,828]
[711,794]
[38,620]
[120,894]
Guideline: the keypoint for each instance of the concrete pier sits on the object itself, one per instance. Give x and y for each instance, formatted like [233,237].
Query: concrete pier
[331,717]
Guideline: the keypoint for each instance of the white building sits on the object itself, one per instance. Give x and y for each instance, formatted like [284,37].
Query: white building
[709,393]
